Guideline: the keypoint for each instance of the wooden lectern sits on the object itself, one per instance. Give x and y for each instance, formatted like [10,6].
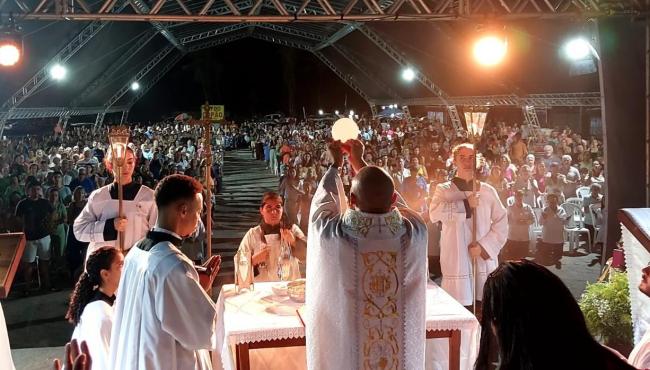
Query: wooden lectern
[12,247]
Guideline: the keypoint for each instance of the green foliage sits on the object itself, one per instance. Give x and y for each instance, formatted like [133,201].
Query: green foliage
[606,307]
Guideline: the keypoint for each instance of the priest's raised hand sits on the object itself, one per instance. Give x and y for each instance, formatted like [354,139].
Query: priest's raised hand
[208,272]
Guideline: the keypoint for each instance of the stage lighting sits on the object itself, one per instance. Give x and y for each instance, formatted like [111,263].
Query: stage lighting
[58,72]
[336,112]
[320,112]
[135,86]
[577,49]
[351,113]
[11,44]
[408,74]
[490,50]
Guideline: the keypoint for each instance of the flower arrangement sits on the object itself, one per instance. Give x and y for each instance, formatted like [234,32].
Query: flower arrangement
[606,307]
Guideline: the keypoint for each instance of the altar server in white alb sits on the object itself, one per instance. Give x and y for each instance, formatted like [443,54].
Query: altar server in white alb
[98,223]
[452,203]
[163,317]
[6,361]
[366,273]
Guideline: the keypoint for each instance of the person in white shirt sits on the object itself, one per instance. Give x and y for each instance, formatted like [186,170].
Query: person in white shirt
[640,356]
[164,318]
[553,220]
[91,303]
[520,217]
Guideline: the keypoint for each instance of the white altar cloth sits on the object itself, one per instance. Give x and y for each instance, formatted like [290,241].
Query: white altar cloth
[260,316]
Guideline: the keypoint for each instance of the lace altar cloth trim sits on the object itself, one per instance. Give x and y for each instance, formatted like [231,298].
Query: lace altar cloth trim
[261,316]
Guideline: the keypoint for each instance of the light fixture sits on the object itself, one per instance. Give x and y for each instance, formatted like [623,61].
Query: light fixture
[320,112]
[351,113]
[577,49]
[336,112]
[408,74]
[383,107]
[58,72]
[135,86]
[490,50]
[11,44]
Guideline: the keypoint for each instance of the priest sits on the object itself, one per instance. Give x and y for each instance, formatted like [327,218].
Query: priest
[366,272]
[163,317]
[454,203]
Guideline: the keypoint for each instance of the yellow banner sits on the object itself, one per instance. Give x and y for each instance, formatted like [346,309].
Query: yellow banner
[212,112]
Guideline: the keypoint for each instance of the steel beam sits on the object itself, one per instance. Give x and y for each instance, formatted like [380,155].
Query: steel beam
[115,67]
[215,32]
[290,31]
[138,76]
[398,57]
[50,112]
[144,9]
[282,41]
[171,62]
[589,99]
[371,76]
[341,33]
[346,78]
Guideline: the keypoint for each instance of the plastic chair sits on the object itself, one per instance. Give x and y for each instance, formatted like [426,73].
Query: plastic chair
[536,228]
[596,217]
[575,227]
[583,191]
[575,200]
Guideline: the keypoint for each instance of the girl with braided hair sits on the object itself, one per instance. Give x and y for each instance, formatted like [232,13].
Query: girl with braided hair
[91,303]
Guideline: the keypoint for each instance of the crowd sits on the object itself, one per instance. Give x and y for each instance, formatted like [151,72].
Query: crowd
[45,182]
[417,155]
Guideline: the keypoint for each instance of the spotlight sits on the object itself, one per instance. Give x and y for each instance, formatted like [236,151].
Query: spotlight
[577,49]
[336,112]
[408,74]
[58,72]
[135,86]
[351,113]
[490,50]
[320,112]
[11,43]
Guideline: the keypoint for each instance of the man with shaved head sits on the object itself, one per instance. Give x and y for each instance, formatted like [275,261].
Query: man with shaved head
[366,272]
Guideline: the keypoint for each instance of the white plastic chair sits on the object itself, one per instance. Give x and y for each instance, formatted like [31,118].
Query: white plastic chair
[575,227]
[583,191]
[575,200]
[596,217]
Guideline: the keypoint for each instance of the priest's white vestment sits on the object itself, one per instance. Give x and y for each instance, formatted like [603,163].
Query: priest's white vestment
[5,351]
[163,318]
[94,223]
[366,285]
[447,205]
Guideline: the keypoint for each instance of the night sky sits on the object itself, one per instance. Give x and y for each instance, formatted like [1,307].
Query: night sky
[249,77]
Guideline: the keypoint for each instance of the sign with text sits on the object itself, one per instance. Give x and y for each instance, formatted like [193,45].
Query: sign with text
[212,112]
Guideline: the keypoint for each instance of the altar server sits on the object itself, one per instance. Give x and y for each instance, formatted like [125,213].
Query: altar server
[99,223]
[163,317]
[366,273]
[91,303]
[453,203]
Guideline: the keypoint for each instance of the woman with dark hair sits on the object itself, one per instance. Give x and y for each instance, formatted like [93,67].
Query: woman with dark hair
[264,243]
[91,303]
[533,322]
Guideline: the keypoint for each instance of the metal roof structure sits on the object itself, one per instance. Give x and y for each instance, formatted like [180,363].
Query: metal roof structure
[116,42]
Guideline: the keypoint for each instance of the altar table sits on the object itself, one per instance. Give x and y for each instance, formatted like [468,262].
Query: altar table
[259,330]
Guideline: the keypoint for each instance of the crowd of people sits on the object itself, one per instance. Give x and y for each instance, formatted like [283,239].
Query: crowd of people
[534,180]
[45,182]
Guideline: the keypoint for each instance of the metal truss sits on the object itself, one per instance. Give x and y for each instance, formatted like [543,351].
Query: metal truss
[107,76]
[371,76]
[398,57]
[341,33]
[282,41]
[50,112]
[290,31]
[143,8]
[335,10]
[138,76]
[215,32]
[346,78]
[171,62]
[590,99]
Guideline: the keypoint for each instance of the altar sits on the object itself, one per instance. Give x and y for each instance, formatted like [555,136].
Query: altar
[260,330]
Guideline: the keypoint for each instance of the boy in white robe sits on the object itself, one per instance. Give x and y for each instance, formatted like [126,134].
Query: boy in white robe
[640,356]
[453,203]
[163,317]
[366,273]
[5,351]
